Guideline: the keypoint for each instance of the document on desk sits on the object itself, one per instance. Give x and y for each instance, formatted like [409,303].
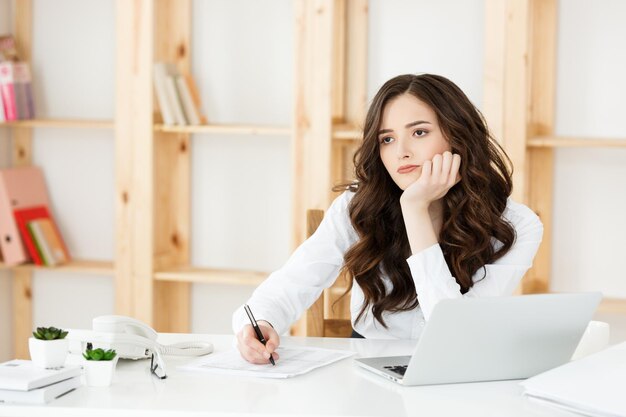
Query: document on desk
[294,360]
[592,386]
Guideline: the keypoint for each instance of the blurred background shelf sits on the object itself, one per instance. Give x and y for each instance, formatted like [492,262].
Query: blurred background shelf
[211,276]
[227,129]
[77,266]
[62,123]
[571,142]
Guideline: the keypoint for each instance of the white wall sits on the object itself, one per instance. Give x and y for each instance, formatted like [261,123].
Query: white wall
[243,65]
[590,193]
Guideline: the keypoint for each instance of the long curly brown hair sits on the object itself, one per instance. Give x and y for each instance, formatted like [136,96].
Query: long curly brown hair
[472,209]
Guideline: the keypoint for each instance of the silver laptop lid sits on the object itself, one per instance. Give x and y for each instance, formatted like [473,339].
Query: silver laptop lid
[483,339]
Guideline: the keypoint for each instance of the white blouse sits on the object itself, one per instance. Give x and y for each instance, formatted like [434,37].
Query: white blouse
[288,292]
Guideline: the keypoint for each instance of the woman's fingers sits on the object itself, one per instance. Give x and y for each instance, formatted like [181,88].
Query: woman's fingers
[437,166]
[252,349]
[454,170]
[273,340]
[446,164]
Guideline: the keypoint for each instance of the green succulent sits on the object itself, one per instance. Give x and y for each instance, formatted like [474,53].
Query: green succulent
[99,354]
[49,333]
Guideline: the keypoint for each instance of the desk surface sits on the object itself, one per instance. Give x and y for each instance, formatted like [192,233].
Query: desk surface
[340,389]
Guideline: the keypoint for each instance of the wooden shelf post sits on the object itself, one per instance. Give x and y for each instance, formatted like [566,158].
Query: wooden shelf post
[152,204]
[331,75]
[22,156]
[520,37]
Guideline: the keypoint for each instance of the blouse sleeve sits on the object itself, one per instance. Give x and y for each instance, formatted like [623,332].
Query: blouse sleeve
[314,266]
[434,282]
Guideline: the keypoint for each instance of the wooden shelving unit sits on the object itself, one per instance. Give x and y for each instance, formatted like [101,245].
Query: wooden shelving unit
[519,105]
[22,156]
[152,270]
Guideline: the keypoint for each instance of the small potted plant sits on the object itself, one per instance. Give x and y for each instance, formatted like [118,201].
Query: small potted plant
[99,366]
[48,347]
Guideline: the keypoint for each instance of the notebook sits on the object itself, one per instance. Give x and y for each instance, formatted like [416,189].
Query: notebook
[40,395]
[491,339]
[22,375]
[593,385]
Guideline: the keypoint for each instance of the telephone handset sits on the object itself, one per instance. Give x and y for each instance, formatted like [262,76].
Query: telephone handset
[133,339]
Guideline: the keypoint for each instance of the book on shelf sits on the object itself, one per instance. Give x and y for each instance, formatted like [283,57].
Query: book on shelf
[23,191]
[160,76]
[174,98]
[23,91]
[177,96]
[7,90]
[16,91]
[47,241]
[193,117]
[2,115]
[20,187]
[40,215]
[22,382]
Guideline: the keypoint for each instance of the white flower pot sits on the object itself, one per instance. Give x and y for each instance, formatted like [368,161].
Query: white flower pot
[99,373]
[48,353]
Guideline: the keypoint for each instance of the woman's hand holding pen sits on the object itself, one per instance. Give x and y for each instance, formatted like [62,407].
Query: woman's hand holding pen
[252,349]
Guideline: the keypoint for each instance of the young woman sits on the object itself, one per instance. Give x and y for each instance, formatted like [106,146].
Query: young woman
[428,218]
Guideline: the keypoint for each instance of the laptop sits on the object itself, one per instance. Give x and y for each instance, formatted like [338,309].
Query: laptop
[490,339]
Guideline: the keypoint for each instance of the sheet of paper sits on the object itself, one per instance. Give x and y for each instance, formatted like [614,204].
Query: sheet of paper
[293,361]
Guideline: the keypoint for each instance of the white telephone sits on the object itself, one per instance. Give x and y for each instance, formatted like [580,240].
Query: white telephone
[132,339]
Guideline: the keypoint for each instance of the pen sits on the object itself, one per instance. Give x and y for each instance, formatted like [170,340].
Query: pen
[259,335]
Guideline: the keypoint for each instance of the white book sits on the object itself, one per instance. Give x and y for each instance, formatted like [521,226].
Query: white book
[22,375]
[160,76]
[40,240]
[187,101]
[40,395]
[177,107]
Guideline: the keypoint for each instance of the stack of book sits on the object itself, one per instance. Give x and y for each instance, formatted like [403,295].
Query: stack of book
[177,96]
[16,93]
[27,229]
[22,382]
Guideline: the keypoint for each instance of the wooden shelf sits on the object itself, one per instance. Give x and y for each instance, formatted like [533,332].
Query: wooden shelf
[211,276]
[569,142]
[347,132]
[227,129]
[62,123]
[78,266]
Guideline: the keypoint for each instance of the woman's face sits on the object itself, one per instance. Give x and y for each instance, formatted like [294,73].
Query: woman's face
[408,135]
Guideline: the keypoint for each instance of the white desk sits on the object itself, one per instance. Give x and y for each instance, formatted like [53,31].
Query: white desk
[340,389]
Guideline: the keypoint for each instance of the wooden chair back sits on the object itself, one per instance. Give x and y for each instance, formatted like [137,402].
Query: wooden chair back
[325,318]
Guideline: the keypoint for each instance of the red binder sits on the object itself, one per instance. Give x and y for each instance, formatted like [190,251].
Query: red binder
[25,215]
[20,188]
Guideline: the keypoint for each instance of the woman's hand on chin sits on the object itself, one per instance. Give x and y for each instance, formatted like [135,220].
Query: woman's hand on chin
[436,178]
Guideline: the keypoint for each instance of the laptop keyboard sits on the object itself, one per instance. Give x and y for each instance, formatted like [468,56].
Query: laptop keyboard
[399,369]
